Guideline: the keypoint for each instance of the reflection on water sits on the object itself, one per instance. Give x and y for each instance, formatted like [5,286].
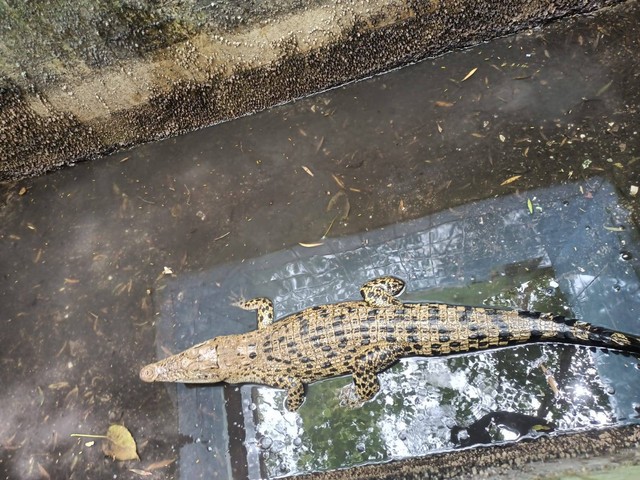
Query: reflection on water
[492,252]
[423,401]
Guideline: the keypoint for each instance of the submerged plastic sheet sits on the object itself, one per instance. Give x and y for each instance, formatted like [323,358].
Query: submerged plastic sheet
[579,245]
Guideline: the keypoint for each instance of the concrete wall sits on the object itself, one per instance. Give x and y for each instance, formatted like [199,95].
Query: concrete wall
[82,79]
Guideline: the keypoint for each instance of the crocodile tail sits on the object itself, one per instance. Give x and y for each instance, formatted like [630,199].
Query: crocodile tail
[576,331]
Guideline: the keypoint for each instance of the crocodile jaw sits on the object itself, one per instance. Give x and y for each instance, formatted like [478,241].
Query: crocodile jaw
[198,364]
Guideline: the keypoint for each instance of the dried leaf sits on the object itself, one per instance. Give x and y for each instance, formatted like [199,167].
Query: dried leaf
[614,229]
[58,385]
[22,191]
[346,205]
[120,444]
[510,180]
[334,199]
[551,381]
[470,74]
[142,473]
[310,245]
[307,170]
[167,271]
[43,473]
[604,89]
[530,206]
[441,103]
[220,237]
[338,180]
[161,464]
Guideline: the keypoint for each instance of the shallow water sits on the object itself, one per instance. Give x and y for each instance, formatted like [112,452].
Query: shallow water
[511,187]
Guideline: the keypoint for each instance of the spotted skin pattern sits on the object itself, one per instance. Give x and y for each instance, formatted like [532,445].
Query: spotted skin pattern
[263,307]
[363,338]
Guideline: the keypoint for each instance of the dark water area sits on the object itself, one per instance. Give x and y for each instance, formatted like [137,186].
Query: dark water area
[504,175]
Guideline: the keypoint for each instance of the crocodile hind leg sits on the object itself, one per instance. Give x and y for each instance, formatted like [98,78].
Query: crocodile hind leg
[295,391]
[368,364]
[263,307]
[380,292]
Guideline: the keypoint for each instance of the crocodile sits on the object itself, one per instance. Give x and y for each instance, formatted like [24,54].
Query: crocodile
[363,338]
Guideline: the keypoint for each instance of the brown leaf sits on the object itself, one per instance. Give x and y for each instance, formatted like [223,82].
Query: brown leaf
[142,473]
[161,464]
[441,103]
[120,444]
[43,473]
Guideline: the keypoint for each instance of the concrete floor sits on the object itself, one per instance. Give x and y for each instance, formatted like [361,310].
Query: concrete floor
[84,250]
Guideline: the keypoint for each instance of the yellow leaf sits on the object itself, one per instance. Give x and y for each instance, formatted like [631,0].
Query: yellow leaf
[142,473]
[510,180]
[530,206]
[441,103]
[120,444]
[310,245]
[471,72]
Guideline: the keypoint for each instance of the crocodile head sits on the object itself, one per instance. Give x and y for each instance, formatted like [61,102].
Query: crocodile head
[198,364]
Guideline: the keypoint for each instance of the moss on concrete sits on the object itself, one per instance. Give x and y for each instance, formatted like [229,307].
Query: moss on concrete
[82,80]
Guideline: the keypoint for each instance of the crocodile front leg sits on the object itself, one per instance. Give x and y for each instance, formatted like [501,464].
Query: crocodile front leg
[264,310]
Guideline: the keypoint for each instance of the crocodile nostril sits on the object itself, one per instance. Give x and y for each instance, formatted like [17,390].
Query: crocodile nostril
[148,374]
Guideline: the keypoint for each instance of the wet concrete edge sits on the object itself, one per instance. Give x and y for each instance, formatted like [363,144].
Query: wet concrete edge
[541,458]
[38,137]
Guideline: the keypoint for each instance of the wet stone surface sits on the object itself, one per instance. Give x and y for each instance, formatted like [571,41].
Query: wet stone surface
[85,253]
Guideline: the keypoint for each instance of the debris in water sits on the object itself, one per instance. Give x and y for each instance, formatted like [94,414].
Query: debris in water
[510,180]
[470,74]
